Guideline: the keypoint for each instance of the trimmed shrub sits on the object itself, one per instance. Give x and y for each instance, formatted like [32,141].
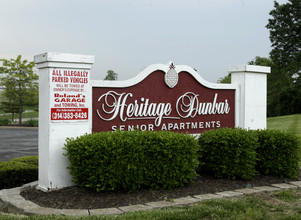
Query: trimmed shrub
[129,160]
[32,123]
[278,153]
[34,160]
[228,153]
[4,121]
[15,173]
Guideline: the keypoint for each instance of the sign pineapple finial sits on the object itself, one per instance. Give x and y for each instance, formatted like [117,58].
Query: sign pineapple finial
[171,77]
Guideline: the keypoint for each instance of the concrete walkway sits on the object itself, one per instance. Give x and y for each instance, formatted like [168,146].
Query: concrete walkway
[11,201]
[17,142]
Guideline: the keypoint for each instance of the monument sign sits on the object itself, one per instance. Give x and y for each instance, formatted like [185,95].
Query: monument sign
[174,101]
[162,97]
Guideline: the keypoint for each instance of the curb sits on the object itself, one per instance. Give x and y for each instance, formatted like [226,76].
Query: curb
[12,202]
[19,127]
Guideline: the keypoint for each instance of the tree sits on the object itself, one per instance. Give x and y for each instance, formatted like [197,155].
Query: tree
[8,101]
[111,75]
[285,36]
[19,83]
[226,79]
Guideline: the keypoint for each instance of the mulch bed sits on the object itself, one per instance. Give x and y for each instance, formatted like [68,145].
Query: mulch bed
[78,198]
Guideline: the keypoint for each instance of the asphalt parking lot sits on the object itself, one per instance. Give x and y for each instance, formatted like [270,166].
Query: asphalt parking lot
[17,142]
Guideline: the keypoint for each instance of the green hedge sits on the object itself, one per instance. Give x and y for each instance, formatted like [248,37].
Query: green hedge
[18,171]
[34,160]
[122,160]
[32,123]
[228,153]
[278,153]
[4,121]
[237,153]
[129,160]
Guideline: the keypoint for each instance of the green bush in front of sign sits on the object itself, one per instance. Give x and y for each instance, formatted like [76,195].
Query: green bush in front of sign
[228,153]
[129,160]
[278,153]
[241,154]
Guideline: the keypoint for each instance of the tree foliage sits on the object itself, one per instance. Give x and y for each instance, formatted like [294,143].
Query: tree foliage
[111,75]
[226,79]
[20,85]
[284,93]
[285,36]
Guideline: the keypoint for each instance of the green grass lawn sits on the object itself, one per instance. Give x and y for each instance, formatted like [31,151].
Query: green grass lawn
[291,123]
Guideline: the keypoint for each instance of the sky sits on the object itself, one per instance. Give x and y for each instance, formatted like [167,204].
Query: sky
[126,36]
